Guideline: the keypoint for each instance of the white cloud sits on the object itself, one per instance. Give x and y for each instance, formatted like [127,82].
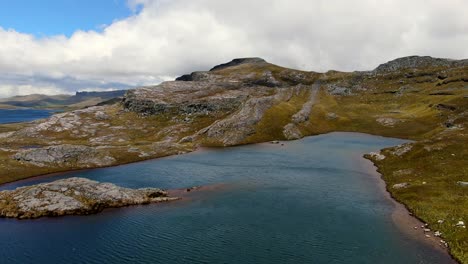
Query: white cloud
[169,38]
[22,89]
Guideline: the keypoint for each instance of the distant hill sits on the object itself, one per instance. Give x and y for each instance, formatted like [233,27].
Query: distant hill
[79,100]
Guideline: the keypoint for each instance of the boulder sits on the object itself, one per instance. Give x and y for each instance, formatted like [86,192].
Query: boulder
[401,185]
[462,183]
[291,132]
[377,156]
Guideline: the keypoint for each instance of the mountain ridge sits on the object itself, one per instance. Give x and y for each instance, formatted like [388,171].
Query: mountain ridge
[78,100]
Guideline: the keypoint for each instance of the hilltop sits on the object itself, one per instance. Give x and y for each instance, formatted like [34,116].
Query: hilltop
[250,100]
[76,101]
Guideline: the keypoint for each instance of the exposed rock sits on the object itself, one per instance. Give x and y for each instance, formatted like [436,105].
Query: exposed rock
[332,116]
[198,76]
[6,134]
[401,185]
[387,121]
[417,62]
[100,115]
[377,156]
[291,132]
[403,172]
[237,127]
[64,155]
[237,62]
[303,115]
[73,196]
[181,98]
[334,89]
[402,149]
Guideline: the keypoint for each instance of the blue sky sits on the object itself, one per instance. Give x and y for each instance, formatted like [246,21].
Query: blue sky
[57,17]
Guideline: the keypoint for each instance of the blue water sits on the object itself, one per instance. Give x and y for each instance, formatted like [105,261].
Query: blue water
[309,201]
[23,115]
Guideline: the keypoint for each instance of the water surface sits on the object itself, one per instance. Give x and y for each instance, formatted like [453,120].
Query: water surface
[306,202]
[23,115]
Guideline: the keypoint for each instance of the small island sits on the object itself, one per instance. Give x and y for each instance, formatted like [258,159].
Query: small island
[73,196]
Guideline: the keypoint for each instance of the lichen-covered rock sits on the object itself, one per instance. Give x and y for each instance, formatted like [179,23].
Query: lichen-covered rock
[387,121]
[291,132]
[334,89]
[402,149]
[71,197]
[401,185]
[377,156]
[183,98]
[415,62]
[64,155]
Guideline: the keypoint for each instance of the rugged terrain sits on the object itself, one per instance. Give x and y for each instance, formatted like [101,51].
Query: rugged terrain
[249,100]
[65,102]
[71,197]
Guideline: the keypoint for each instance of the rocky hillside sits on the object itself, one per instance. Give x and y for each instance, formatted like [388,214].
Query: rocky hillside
[250,100]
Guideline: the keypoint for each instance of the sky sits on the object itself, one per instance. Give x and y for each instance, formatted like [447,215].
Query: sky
[64,46]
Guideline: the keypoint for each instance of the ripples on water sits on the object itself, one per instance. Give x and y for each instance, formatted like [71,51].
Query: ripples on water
[306,202]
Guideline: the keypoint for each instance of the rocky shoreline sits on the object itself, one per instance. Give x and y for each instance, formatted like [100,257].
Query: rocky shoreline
[73,196]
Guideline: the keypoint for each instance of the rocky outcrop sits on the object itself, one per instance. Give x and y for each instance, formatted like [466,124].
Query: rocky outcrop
[74,196]
[417,62]
[291,132]
[64,155]
[334,89]
[234,129]
[402,185]
[303,115]
[376,156]
[237,62]
[182,98]
[387,121]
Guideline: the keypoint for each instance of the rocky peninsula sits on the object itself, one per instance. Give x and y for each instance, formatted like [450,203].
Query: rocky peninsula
[73,196]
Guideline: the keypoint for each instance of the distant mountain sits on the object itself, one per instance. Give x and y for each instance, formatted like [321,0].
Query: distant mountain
[79,100]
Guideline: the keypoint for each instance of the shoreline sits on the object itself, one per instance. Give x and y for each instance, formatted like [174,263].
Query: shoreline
[194,149]
[403,219]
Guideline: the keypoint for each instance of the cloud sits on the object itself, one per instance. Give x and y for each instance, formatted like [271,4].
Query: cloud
[164,39]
